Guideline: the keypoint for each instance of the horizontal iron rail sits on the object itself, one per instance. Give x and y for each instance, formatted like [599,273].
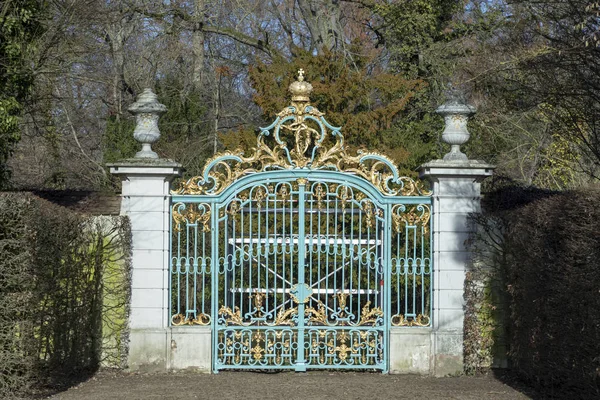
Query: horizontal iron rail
[211,199]
[314,291]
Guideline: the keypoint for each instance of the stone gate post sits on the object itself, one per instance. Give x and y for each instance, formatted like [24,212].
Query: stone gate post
[456,184]
[146,200]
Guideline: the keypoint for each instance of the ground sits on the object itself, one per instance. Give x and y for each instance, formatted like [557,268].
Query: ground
[289,385]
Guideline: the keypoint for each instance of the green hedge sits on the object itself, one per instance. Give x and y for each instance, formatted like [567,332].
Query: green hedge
[64,284]
[544,248]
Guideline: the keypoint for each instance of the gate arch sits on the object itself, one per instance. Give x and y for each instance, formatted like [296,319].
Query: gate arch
[300,255]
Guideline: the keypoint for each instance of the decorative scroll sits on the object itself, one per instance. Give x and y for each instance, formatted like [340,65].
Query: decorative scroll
[191,214]
[303,140]
[348,347]
[370,316]
[200,319]
[420,320]
[324,348]
[230,317]
[342,317]
[246,347]
[418,215]
[258,316]
[319,316]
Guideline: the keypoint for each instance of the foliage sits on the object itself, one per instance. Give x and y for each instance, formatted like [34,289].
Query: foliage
[365,105]
[19,26]
[534,237]
[410,28]
[390,63]
[118,141]
[480,323]
[560,54]
[421,39]
[64,286]
[185,129]
[539,133]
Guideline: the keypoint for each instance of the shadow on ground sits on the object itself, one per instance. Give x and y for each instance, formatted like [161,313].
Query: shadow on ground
[512,380]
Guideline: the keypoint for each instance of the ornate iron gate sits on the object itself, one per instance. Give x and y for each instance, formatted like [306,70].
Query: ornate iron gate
[300,255]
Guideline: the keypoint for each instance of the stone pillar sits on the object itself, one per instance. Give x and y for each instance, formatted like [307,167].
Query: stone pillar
[146,201]
[456,194]
[456,185]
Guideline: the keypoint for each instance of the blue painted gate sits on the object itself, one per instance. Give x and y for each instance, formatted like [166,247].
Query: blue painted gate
[300,255]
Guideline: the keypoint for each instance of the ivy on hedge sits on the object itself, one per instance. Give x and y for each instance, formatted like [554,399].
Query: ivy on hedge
[64,292]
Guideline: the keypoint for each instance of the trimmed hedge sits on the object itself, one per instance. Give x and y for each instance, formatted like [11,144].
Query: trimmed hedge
[64,282]
[544,248]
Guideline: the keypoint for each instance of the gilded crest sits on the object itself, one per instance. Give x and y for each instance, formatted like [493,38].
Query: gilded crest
[303,140]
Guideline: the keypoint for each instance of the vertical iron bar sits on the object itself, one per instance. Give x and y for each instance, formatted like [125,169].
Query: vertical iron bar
[387,256]
[300,358]
[250,248]
[215,282]
[195,273]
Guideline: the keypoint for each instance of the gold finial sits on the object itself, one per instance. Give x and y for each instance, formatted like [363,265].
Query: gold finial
[300,75]
[299,89]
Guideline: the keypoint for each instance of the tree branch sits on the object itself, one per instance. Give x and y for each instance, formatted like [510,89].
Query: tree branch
[230,33]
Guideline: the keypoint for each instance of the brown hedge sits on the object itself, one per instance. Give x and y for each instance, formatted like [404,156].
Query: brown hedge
[552,277]
[52,268]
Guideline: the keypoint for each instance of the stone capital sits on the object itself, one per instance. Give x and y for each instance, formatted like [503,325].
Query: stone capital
[146,167]
[470,169]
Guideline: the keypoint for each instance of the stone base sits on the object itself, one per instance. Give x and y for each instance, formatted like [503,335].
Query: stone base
[190,348]
[410,351]
[147,350]
[448,350]
[152,350]
[422,351]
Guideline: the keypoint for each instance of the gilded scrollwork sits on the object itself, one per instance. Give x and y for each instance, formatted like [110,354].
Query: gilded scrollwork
[319,316]
[367,207]
[231,317]
[258,316]
[303,140]
[200,319]
[191,214]
[419,320]
[418,215]
[275,347]
[320,194]
[286,317]
[370,316]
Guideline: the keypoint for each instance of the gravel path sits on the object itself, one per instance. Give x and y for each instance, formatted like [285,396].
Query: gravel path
[287,385]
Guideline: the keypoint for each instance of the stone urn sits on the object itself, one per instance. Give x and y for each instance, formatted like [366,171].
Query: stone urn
[456,114]
[147,111]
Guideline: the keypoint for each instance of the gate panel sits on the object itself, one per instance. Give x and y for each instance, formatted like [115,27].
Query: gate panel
[345,274]
[258,267]
[300,278]
[410,265]
[191,264]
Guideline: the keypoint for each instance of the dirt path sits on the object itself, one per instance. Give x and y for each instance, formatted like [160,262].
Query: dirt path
[264,386]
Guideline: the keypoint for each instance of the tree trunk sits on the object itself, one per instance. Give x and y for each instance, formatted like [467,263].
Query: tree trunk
[322,17]
[217,110]
[198,44]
